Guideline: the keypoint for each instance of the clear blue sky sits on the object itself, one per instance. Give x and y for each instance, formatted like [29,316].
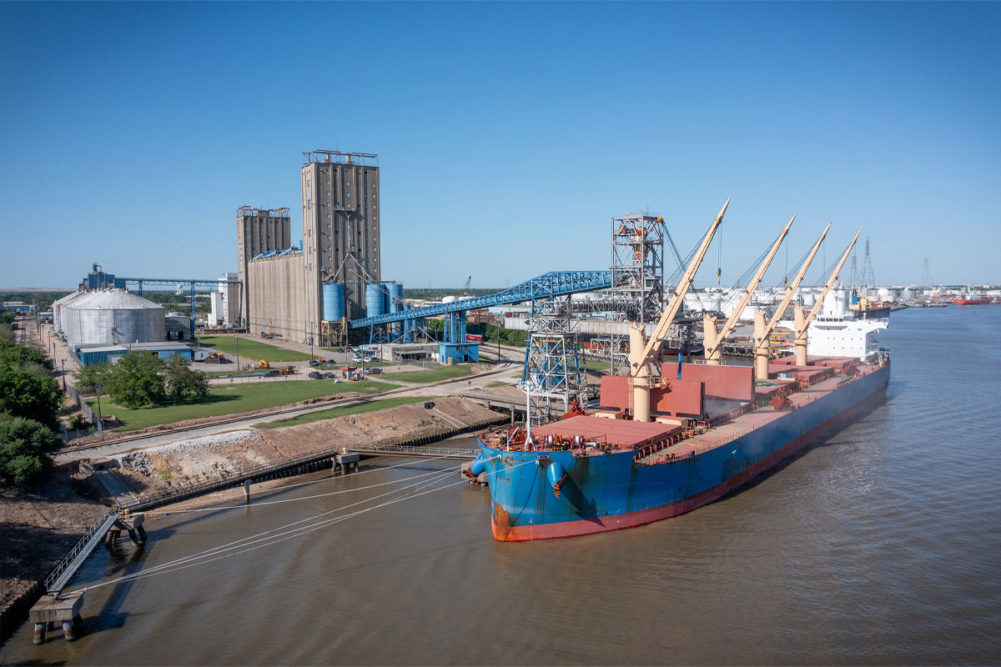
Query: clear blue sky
[508,134]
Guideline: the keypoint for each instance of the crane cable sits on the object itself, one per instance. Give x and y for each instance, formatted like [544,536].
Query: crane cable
[243,544]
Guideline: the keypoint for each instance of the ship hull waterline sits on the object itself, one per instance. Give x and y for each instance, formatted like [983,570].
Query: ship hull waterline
[608,493]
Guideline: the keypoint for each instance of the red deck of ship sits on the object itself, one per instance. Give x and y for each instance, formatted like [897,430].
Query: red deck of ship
[620,433]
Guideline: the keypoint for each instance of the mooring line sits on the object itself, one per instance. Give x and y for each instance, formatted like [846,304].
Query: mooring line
[219,552]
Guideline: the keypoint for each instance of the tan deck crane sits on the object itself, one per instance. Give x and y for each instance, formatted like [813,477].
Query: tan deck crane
[762,331]
[643,369]
[802,323]
[711,338]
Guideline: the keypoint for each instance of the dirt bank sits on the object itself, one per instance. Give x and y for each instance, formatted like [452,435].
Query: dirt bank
[210,458]
[39,526]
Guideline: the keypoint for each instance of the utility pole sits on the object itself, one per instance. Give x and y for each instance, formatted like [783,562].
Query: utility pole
[100,415]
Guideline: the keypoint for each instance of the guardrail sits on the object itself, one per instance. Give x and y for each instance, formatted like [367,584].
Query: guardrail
[83,544]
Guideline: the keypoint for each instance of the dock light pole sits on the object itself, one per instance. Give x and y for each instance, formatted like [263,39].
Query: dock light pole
[237,353]
[63,364]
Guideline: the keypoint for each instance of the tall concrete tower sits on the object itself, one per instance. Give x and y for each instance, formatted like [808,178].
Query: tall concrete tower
[340,227]
[258,230]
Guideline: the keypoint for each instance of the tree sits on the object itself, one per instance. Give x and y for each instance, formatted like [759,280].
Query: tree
[89,378]
[136,381]
[181,382]
[28,391]
[14,355]
[25,446]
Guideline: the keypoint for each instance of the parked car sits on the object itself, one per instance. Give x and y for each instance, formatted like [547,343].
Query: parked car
[313,375]
[271,373]
[374,371]
[314,362]
[328,375]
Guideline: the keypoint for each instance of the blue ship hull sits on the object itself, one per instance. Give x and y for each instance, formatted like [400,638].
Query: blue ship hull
[618,490]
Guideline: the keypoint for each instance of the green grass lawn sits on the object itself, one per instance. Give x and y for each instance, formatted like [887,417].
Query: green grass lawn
[497,384]
[252,349]
[232,399]
[346,410]
[596,366]
[433,375]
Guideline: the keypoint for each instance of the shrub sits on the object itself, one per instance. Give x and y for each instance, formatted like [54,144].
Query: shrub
[27,391]
[25,445]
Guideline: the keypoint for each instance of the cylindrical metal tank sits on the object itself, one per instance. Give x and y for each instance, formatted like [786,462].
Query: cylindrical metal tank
[395,297]
[59,306]
[375,299]
[333,302]
[396,305]
[109,316]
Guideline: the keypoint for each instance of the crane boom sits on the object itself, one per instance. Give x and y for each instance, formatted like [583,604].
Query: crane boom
[794,285]
[678,298]
[714,340]
[803,323]
[762,330]
[641,350]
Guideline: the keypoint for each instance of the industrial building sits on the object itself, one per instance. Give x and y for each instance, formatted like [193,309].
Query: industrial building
[258,231]
[101,325]
[307,293]
[110,354]
[226,302]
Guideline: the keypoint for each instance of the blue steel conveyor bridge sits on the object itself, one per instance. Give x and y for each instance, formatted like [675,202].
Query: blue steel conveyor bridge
[546,286]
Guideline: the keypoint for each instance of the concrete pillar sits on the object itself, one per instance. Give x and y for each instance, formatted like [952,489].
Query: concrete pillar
[64,609]
[246,491]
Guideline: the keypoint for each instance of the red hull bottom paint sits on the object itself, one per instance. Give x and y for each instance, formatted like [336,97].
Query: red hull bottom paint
[642,517]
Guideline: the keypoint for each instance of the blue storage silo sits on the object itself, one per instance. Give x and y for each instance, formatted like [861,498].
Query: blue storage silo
[375,299]
[395,297]
[333,302]
[396,305]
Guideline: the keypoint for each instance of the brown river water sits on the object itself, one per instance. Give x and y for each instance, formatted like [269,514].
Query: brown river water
[880,545]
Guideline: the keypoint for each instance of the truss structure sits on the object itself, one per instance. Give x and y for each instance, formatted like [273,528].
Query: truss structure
[638,263]
[553,377]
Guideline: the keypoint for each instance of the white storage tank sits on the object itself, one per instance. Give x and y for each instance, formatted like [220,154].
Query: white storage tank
[113,316]
[58,308]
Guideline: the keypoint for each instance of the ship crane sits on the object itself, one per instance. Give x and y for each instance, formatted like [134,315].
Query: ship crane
[762,331]
[802,322]
[713,339]
[643,352]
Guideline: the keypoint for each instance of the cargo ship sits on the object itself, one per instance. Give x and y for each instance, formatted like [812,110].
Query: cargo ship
[975,301]
[668,439]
